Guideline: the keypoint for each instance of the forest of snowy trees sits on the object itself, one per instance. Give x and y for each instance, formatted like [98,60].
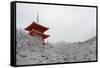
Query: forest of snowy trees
[30,52]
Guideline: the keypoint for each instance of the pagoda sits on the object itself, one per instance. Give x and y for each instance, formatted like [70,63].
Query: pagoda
[36,29]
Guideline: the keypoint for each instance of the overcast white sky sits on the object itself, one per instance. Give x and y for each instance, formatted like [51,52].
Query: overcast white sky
[66,23]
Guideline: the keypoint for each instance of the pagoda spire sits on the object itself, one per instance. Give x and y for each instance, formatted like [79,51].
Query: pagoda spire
[38,17]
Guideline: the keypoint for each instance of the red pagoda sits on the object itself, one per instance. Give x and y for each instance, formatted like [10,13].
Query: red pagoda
[37,29]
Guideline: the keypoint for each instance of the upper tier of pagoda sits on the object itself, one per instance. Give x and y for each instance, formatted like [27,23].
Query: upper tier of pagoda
[37,29]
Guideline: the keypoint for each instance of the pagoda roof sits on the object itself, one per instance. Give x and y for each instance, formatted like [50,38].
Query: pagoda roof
[37,27]
[44,36]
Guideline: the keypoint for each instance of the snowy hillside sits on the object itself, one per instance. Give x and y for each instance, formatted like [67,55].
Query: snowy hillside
[29,51]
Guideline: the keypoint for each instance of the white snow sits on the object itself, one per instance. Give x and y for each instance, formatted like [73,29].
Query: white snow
[30,52]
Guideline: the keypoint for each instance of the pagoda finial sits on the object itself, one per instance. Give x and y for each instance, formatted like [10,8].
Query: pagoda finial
[38,17]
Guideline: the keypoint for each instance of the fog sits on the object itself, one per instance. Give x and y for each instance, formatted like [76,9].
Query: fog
[66,23]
